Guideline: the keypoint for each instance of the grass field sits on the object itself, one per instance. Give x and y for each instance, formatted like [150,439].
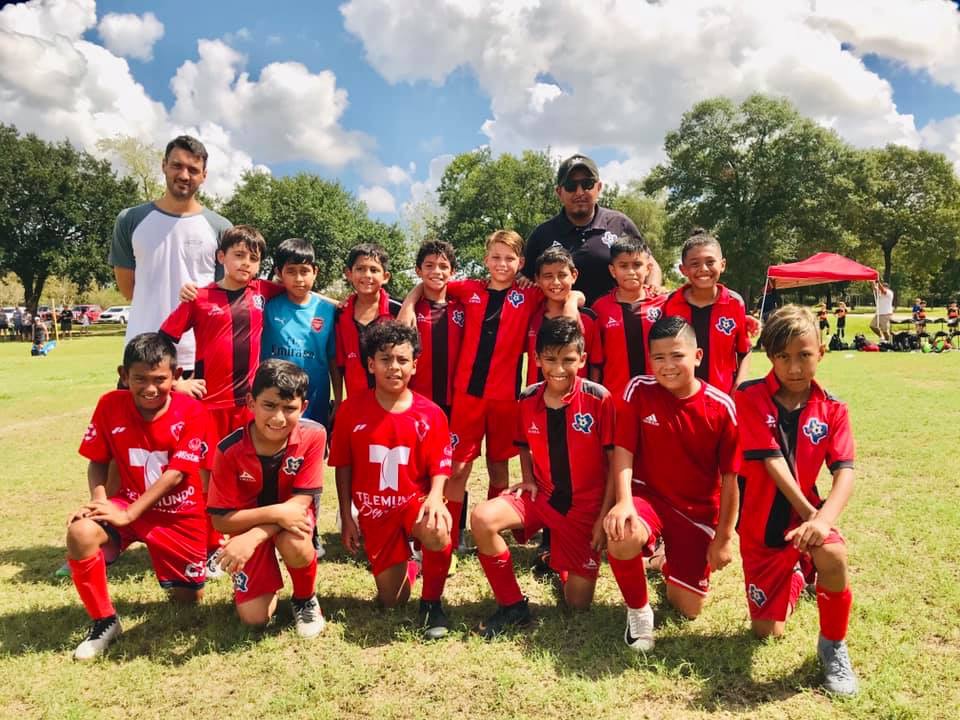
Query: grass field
[903,528]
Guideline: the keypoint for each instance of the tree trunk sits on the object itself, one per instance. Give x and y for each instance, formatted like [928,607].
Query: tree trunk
[887,262]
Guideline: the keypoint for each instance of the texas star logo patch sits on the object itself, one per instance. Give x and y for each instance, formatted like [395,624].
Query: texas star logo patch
[608,238]
[757,596]
[292,465]
[240,581]
[582,422]
[815,430]
[458,318]
[653,314]
[515,298]
[726,325]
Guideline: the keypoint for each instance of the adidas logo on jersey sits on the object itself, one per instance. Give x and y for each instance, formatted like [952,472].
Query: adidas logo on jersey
[651,419]
[475,299]
[533,429]
[246,477]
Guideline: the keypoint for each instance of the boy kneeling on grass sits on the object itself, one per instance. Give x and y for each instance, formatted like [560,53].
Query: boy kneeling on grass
[157,440]
[790,427]
[266,478]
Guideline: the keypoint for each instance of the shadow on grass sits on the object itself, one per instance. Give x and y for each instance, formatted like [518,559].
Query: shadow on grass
[38,564]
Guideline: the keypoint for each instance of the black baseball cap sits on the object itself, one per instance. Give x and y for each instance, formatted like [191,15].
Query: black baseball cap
[572,163]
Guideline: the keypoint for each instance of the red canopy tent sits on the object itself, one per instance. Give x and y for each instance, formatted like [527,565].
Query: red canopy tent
[821,268]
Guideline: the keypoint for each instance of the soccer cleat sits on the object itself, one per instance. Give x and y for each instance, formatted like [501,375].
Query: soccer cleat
[433,620]
[308,617]
[838,675]
[506,617]
[103,632]
[541,562]
[454,564]
[639,633]
[214,571]
[656,561]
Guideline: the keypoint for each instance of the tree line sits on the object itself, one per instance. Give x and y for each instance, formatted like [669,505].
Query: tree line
[773,185]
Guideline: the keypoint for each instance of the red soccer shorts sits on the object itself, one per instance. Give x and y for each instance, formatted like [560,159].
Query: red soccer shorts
[261,574]
[570,538]
[177,544]
[386,538]
[686,543]
[473,418]
[767,576]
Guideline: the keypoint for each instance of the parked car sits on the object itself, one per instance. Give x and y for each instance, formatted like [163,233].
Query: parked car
[91,311]
[115,314]
[8,311]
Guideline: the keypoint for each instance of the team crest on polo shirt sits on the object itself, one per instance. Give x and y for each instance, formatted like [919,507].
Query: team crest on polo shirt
[458,318]
[240,581]
[316,324]
[726,325]
[609,238]
[653,314]
[757,596]
[258,301]
[292,465]
[816,430]
[556,244]
[176,429]
[582,422]
[515,298]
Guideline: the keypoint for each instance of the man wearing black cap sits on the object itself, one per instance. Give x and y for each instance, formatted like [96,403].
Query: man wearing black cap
[583,228]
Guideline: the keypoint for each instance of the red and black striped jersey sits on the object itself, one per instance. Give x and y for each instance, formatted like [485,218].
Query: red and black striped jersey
[350,357]
[441,333]
[591,343]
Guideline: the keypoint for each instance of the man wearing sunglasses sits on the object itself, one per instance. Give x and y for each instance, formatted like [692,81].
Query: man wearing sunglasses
[584,229]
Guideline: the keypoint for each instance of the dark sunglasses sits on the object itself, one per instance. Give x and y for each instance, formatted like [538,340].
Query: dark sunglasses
[586,184]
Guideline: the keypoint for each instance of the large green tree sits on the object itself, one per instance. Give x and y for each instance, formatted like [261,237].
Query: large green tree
[57,209]
[323,212]
[480,194]
[649,214]
[771,184]
[141,161]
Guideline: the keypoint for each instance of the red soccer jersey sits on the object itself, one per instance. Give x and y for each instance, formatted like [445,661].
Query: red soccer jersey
[441,333]
[816,434]
[242,479]
[591,343]
[569,446]
[393,456]
[680,447]
[350,357]
[623,329]
[145,449]
[228,325]
[721,329]
[494,336]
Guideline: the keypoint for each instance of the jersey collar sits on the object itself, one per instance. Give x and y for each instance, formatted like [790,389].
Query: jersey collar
[292,440]
[566,400]
[817,393]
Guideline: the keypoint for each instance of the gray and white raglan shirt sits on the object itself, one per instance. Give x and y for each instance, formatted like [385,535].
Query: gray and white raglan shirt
[165,251]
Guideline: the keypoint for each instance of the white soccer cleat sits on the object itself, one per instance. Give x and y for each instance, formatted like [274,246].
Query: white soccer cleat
[103,632]
[639,633]
[308,617]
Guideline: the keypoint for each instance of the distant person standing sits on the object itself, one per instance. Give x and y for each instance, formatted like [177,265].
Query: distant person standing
[881,321]
[584,229]
[160,246]
[17,324]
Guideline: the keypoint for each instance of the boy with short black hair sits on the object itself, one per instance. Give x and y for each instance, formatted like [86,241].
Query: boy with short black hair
[391,449]
[790,428]
[299,326]
[675,470]
[626,314]
[157,438]
[717,314]
[266,478]
[367,270]
[565,434]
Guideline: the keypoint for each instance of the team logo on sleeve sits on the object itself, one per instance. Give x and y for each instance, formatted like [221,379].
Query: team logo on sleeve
[292,465]
[653,314]
[582,422]
[258,301]
[815,430]
[458,318]
[316,324]
[726,325]
[515,298]
[454,441]
[240,581]
[90,433]
[608,238]
[757,596]
[176,429]
[198,446]
[771,421]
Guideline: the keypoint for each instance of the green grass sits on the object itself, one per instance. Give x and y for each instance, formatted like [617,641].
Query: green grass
[903,528]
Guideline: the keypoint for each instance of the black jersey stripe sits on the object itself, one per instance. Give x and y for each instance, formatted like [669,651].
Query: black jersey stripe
[240,319]
[633,333]
[439,340]
[488,342]
[562,496]
[700,319]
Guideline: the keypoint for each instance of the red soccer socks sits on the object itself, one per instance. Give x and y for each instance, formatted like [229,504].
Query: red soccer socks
[90,578]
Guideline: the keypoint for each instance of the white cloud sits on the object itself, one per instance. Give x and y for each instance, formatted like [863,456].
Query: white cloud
[944,136]
[130,35]
[560,73]
[378,199]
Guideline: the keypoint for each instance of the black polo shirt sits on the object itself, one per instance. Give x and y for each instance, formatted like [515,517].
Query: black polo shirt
[589,245]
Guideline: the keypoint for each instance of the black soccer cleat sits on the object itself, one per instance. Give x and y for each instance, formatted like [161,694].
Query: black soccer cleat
[506,617]
[433,620]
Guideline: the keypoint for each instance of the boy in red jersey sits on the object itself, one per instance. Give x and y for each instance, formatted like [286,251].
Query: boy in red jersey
[625,316]
[391,448]
[717,314]
[266,478]
[675,470]
[565,434]
[367,270]
[157,438]
[791,427]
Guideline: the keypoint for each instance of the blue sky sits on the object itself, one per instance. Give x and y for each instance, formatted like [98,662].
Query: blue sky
[388,91]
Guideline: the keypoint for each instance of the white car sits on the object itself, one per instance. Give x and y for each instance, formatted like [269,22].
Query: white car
[116,314]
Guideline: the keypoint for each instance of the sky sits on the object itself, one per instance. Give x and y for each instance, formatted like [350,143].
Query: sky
[381,94]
